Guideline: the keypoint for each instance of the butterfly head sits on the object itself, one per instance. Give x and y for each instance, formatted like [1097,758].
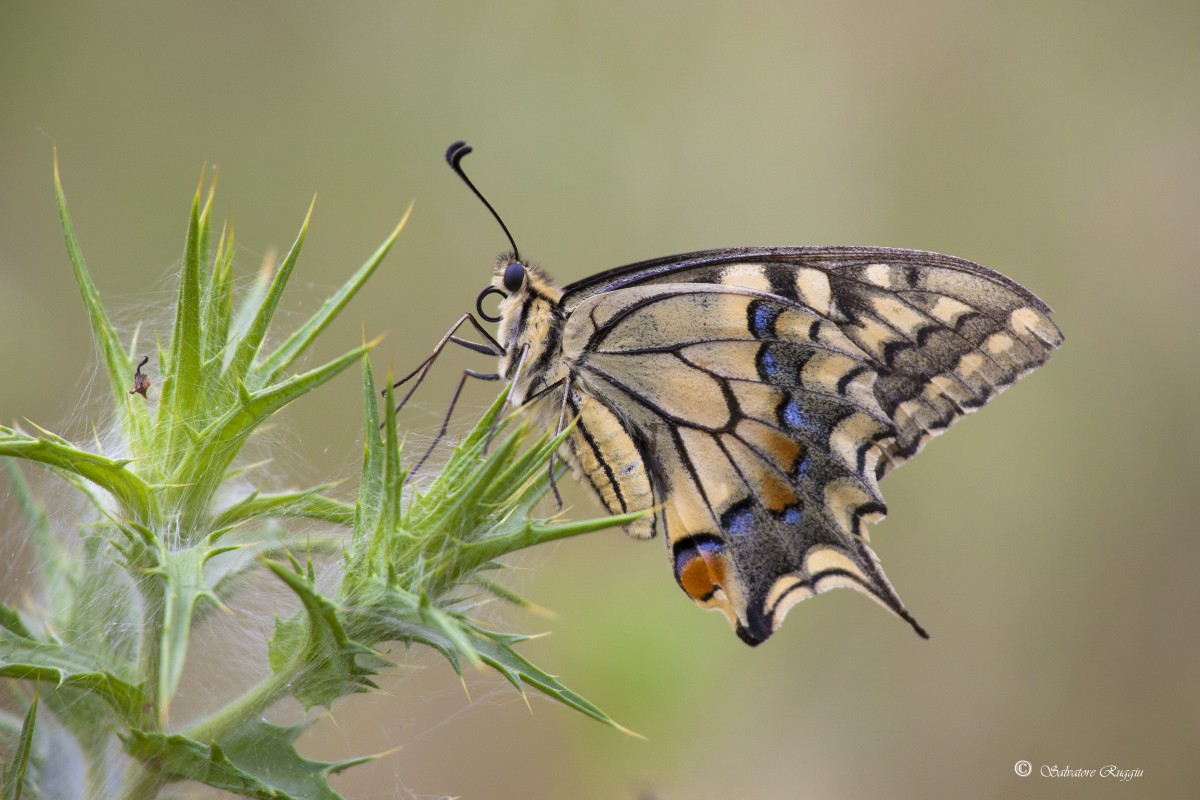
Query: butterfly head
[529,320]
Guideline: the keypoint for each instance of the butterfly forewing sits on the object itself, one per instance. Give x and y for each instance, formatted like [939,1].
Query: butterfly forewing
[945,337]
[752,398]
[942,335]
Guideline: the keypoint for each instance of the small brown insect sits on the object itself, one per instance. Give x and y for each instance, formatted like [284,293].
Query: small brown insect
[141,381]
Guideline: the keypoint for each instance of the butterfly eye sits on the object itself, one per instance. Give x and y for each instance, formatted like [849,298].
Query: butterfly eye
[514,276]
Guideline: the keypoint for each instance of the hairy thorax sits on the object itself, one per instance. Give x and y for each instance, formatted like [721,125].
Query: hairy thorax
[530,333]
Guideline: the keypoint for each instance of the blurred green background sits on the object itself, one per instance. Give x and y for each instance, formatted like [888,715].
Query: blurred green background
[1048,543]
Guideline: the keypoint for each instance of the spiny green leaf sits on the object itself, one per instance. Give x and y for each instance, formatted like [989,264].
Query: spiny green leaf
[247,308]
[456,490]
[509,596]
[368,506]
[251,341]
[394,473]
[523,481]
[206,223]
[94,610]
[465,500]
[130,491]
[231,572]
[308,504]
[200,472]
[531,464]
[449,625]
[256,759]
[492,648]
[270,368]
[184,386]
[474,495]
[487,426]
[509,538]
[328,660]
[171,758]
[279,763]
[499,655]
[14,772]
[118,364]
[59,666]
[10,620]
[218,302]
[378,507]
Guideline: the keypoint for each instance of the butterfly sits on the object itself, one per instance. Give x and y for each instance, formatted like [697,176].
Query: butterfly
[750,399]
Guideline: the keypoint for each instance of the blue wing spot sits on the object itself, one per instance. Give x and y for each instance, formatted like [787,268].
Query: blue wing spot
[793,514]
[770,366]
[761,317]
[802,467]
[739,520]
[793,416]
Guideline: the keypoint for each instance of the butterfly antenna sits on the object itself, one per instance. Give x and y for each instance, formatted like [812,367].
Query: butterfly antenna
[454,157]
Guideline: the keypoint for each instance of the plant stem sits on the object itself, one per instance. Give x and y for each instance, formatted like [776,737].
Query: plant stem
[253,703]
[146,784]
[150,656]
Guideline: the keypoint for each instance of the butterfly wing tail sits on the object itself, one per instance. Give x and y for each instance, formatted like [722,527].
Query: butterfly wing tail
[833,560]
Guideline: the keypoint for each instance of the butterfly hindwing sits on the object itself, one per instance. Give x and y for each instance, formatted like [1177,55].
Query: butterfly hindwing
[761,433]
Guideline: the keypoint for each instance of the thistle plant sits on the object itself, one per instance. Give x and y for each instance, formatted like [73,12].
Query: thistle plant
[176,527]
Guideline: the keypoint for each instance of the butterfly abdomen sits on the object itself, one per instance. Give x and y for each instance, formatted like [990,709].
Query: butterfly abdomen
[601,450]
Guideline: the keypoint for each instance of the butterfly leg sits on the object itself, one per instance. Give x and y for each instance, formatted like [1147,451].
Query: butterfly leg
[514,382]
[565,385]
[558,429]
[492,347]
[467,373]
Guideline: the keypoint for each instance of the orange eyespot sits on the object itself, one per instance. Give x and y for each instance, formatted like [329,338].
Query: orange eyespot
[700,566]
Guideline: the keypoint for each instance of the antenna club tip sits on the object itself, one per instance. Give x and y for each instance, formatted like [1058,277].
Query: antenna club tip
[456,151]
